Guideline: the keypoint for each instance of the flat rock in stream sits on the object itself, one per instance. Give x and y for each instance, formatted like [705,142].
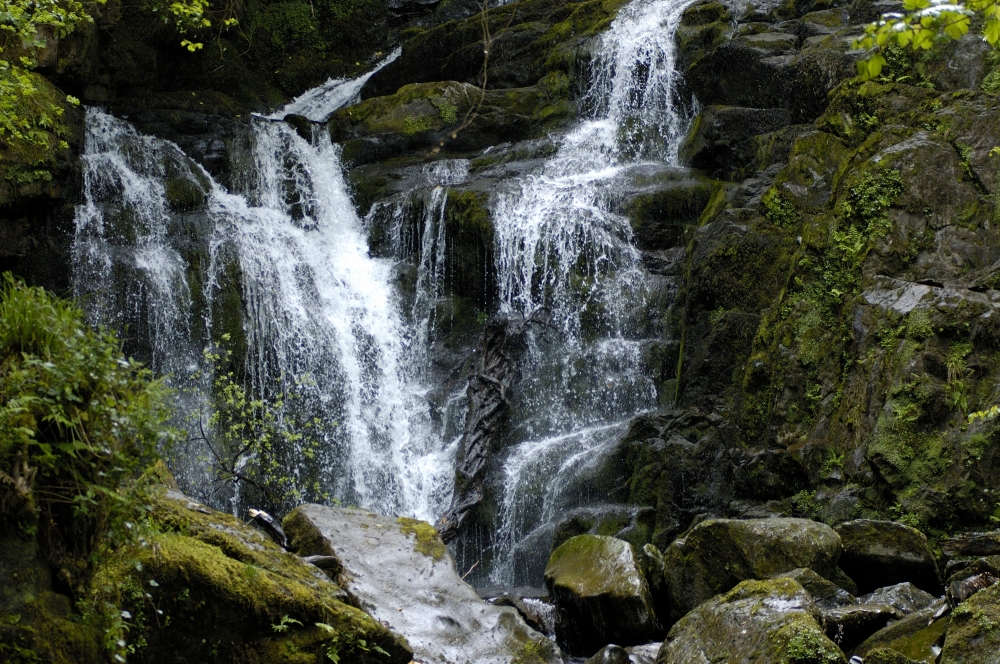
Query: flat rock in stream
[400,572]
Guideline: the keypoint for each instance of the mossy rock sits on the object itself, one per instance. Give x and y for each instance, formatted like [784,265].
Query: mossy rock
[209,587]
[974,632]
[916,636]
[766,622]
[884,553]
[597,583]
[719,553]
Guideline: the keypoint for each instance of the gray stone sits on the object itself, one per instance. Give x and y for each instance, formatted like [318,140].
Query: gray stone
[401,573]
[905,597]
[825,594]
[597,584]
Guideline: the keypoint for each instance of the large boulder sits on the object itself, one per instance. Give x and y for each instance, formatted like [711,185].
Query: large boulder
[207,582]
[974,633]
[765,622]
[904,597]
[719,553]
[597,584]
[400,572]
[883,553]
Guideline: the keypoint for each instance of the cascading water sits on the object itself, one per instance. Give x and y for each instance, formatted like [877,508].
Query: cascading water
[561,247]
[279,268]
[287,258]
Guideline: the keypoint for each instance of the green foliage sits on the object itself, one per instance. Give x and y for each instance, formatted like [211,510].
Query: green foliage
[77,421]
[778,209]
[283,624]
[255,442]
[924,23]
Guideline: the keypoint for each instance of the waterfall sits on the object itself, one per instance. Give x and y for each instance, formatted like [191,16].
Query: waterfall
[561,247]
[284,266]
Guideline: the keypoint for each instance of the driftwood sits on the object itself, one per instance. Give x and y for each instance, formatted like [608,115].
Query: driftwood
[495,372]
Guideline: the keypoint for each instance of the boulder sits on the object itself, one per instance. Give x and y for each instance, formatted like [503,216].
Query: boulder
[400,572]
[610,654]
[905,597]
[825,594]
[721,140]
[597,584]
[887,656]
[974,633]
[632,524]
[719,553]
[972,544]
[850,625]
[765,622]
[916,636]
[210,582]
[881,553]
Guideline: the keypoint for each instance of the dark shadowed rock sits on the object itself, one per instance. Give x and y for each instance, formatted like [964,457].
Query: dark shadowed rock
[766,622]
[850,625]
[881,553]
[401,573]
[597,584]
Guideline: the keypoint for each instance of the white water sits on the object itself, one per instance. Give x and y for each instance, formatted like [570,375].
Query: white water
[317,311]
[560,247]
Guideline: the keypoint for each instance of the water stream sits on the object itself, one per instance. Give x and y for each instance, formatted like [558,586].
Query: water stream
[278,271]
[284,266]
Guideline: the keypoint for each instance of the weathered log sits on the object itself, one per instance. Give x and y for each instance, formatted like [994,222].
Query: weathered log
[496,370]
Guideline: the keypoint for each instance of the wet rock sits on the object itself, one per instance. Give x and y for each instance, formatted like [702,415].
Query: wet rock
[972,544]
[760,621]
[597,584]
[611,654]
[539,615]
[400,571]
[825,594]
[880,553]
[886,656]
[632,524]
[653,567]
[719,553]
[214,582]
[905,597]
[721,141]
[850,625]
[974,633]
[644,654]
[912,636]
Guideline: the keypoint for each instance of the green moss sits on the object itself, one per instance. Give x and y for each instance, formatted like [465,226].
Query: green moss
[427,540]
[805,644]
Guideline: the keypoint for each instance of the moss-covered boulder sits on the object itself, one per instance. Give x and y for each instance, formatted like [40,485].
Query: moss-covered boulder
[721,139]
[208,586]
[597,584]
[428,116]
[884,553]
[916,636]
[400,571]
[905,597]
[825,594]
[766,622]
[974,632]
[719,553]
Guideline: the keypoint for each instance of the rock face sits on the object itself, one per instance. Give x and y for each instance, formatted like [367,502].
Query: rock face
[915,636]
[765,622]
[882,553]
[596,582]
[401,573]
[719,553]
[214,583]
[974,634]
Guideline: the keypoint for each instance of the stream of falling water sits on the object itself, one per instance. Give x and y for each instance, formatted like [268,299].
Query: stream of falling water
[560,247]
[288,260]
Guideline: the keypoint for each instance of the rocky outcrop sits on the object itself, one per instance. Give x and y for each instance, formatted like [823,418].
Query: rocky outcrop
[599,587]
[881,553]
[209,582]
[761,621]
[401,573]
[719,553]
